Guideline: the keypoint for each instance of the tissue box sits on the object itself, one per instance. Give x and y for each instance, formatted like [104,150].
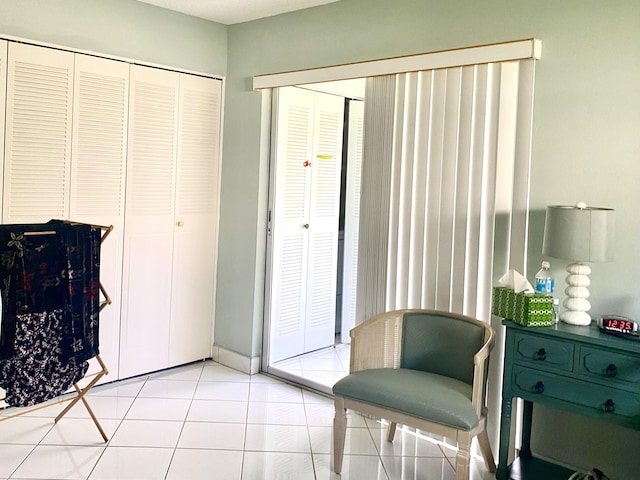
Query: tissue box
[526,309]
[504,301]
[533,310]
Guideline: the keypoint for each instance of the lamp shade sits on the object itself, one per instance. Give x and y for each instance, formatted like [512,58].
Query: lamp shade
[579,234]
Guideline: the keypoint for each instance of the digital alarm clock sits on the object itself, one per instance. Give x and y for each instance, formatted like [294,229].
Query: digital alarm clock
[619,326]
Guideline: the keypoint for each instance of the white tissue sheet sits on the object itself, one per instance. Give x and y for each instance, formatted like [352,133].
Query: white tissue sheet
[516,281]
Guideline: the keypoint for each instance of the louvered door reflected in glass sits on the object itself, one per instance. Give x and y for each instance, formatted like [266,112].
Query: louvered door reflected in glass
[305,221]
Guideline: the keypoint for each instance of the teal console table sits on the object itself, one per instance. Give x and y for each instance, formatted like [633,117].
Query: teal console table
[568,367]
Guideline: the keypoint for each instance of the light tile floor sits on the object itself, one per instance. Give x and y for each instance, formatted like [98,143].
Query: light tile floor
[324,367]
[207,421]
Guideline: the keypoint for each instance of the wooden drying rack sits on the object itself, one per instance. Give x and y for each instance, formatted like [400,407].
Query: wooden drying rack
[95,376]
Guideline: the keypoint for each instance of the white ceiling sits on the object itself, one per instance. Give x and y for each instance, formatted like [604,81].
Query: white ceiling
[229,12]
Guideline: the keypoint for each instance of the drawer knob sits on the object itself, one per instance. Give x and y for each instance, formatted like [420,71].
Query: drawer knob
[538,387]
[609,406]
[541,354]
[611,370]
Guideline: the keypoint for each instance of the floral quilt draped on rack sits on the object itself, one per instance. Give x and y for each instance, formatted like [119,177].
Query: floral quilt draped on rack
[50,289]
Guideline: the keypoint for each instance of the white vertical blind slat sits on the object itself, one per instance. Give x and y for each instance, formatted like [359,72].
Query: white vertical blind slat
[459,282]
[522,168]
[435,137]
[450,143]
[419,190]
[475,187]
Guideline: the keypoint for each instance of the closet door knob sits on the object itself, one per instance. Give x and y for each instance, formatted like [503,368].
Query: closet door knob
[306,226]
[180,223]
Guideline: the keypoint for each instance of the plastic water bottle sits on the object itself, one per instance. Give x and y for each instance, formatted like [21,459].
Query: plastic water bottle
[544,280]
[556,311]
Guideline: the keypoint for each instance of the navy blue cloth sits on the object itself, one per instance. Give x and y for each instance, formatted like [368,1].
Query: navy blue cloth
[49,282]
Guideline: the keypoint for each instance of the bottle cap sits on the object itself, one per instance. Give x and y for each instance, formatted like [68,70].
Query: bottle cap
[546,264]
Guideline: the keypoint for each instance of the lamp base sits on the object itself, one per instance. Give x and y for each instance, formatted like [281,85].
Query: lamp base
[577,292]
[576,318]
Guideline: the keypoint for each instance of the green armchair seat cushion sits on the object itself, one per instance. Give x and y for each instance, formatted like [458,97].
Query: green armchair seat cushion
[421,394]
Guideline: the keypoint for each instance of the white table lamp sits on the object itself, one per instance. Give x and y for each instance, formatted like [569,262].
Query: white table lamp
[581,234]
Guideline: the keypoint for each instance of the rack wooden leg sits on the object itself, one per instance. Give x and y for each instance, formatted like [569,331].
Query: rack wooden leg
[81,393]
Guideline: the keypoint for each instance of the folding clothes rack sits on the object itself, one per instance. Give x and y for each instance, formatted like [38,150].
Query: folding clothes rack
[95,376]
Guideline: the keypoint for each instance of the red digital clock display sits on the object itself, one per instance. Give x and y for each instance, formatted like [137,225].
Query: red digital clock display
[619,325]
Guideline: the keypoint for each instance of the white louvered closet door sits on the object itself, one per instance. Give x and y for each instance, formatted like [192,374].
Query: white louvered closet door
[149,220]
[291,212]
[305,222]
[98,168]
[195,240]
[352,218]
[38,134]
[324,214]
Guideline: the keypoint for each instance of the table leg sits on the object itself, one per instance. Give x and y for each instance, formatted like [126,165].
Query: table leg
[525,451]
[505,431]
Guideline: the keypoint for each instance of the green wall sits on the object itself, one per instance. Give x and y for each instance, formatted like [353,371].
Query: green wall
[586,144]
[124,28]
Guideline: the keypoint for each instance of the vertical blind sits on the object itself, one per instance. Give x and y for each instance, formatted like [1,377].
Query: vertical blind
[445,186]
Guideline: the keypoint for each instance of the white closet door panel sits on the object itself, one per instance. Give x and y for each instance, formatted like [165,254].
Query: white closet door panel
[291,221]
[144,335]
[38,134]
[352,218]
[149,220]
[3,98]
[324,217]
[195,239]
[100,111]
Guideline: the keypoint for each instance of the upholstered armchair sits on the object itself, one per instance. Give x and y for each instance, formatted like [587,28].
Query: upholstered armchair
[421,368]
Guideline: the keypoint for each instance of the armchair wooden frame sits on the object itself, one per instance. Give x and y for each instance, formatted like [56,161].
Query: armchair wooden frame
[377,343]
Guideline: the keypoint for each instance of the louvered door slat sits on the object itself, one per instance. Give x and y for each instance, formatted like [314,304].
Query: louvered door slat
[38,134]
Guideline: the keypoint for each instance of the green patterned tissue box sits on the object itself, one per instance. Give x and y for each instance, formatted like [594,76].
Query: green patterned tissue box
[533,310]
[503,302]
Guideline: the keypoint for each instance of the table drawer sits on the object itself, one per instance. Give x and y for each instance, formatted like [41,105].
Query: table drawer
[535,385]
[542,352]
[616,368]
[538,385]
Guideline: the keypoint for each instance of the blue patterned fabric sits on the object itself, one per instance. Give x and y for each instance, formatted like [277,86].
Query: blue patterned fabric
[50,286]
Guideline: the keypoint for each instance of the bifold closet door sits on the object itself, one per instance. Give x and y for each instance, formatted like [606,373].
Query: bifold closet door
[196,220]
[149,220]
[99,152]
[306,213]
[38,134]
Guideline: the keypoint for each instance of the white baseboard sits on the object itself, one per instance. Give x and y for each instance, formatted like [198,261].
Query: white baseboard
[237,361]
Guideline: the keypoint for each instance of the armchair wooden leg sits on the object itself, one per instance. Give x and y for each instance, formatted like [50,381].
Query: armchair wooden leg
[487,454]
[339,433]
[391,433]
[463,458]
